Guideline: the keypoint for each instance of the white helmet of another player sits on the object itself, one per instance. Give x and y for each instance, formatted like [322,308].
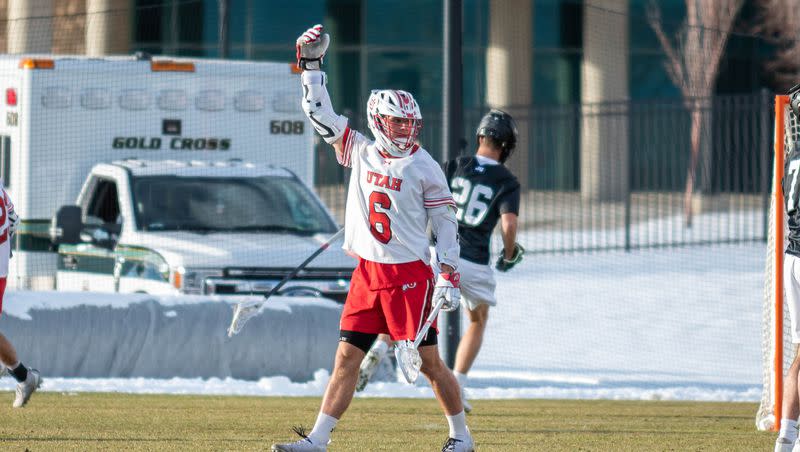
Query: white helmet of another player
[395,120]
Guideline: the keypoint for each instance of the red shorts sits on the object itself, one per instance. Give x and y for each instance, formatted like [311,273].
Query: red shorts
[2,292]
[398,310]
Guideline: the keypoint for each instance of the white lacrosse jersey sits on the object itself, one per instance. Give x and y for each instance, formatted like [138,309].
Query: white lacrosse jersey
[5,237]
[385,218]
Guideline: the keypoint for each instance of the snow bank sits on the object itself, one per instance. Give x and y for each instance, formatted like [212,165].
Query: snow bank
[93,335]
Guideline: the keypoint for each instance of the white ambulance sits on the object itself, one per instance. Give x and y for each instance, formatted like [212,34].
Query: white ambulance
[190,176]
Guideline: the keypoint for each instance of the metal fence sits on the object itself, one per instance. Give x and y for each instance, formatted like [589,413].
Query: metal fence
[651,152]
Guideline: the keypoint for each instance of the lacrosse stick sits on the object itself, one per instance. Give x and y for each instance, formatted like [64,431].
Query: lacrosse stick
[406,352]
[245,310]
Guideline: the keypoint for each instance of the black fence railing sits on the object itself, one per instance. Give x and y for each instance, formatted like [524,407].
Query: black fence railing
[613,175]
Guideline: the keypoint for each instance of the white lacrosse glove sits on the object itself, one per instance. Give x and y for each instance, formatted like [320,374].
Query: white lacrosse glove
[447,288]
[311,47]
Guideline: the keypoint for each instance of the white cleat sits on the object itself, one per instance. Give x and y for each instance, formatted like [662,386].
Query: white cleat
[27,387]
[304,444]
[457,445]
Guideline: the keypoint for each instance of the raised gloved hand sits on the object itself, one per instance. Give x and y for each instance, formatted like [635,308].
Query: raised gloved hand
[447,287]
[504,264]
[311,47]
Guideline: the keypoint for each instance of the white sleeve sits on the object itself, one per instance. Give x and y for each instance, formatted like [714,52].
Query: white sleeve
[445,230]
[317,106]
[441,210]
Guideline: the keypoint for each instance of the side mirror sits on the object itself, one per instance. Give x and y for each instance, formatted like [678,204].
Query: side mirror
[66,226]
[104,236]
[99,233]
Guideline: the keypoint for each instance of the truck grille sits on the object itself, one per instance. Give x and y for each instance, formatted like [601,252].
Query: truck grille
[280,273]
[328,283]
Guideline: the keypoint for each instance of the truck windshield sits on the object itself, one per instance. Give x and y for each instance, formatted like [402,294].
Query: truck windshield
[208,205]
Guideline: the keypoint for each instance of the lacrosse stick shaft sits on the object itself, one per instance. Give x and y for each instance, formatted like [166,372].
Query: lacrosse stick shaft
[240,315]
[308,260]
[428,322]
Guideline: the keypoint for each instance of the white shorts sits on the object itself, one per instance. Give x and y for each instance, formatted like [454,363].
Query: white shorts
[791,287]
[477,284]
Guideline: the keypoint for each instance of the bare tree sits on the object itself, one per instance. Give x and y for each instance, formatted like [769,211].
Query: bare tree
[693,57]
[779,21]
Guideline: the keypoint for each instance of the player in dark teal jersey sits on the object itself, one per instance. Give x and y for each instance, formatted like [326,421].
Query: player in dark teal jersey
[486,193]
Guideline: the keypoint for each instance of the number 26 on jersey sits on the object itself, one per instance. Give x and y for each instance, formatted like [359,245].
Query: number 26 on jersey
[472,201]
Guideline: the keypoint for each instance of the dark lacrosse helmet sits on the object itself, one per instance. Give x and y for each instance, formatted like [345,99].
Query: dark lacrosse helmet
[500,127]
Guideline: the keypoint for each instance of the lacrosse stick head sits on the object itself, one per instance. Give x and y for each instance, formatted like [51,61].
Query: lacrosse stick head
[243,312]
[408,359]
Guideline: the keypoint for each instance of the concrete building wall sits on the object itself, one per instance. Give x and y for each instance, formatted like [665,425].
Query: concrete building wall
[30,26]
[509,69]
[108,27]
[4,22]
[92,27]
[69,27]
[604,95]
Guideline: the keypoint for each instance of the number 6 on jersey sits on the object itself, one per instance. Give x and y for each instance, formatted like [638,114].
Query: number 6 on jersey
[379,223]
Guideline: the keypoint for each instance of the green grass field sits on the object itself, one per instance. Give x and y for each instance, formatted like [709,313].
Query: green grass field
[93,421]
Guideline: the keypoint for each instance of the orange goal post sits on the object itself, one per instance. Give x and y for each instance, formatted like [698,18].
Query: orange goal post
[776,347]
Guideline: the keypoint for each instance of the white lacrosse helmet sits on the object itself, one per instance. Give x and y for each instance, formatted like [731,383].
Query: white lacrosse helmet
[396,139]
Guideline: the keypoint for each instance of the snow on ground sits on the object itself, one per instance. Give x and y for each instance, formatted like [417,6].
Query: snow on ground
[672,324]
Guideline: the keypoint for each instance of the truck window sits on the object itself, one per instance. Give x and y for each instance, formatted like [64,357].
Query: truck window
[225,204]
[104,203]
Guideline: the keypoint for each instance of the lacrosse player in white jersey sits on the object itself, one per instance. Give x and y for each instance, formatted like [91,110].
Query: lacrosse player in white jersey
[395,190]
[28,380]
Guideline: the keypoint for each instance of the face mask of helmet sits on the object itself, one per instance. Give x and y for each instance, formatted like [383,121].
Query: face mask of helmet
[403,132]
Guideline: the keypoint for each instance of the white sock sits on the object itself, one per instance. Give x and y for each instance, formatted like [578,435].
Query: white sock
[788,429]
[458,426]
[321,433]
[462,379]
